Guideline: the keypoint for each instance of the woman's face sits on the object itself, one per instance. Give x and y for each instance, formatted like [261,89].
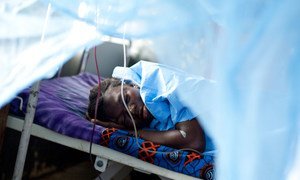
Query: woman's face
[115,110]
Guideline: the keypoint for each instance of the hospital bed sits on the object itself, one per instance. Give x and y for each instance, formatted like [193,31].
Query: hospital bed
[60,118]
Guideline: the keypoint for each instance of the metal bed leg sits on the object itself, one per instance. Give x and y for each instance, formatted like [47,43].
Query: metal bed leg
[25,137]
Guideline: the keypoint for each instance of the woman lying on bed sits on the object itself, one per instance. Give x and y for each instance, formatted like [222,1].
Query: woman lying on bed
[150,93]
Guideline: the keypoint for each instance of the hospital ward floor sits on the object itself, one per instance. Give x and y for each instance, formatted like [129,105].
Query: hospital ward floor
[50,161]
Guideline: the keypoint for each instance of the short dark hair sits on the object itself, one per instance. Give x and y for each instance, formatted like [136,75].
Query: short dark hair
[104,85]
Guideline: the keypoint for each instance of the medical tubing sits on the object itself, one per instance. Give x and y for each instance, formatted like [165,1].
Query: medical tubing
[97,102]
[122,89]
[131,117]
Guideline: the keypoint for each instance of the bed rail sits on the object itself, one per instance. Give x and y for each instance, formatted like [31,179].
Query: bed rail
[25,137]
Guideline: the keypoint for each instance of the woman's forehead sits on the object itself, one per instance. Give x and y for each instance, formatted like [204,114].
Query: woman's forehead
[112,102]
[115,92]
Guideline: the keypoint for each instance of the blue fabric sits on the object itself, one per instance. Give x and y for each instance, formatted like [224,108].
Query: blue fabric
[159,88]
[186,162]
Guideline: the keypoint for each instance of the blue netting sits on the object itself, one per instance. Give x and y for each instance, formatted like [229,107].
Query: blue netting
[251,48]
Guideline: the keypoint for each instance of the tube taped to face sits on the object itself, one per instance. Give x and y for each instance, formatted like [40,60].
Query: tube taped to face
[160,86]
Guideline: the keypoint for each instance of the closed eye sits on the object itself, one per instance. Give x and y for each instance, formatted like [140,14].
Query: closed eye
[126,97]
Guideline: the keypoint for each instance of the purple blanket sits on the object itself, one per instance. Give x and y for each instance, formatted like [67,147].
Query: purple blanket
[62,105]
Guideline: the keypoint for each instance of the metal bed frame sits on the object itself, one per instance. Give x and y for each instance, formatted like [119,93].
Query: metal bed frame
[109,162]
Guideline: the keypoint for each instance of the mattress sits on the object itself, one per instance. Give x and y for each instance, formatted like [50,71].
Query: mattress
[61,108]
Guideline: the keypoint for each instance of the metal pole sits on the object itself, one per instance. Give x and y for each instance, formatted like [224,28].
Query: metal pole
[25,137]
[30,112]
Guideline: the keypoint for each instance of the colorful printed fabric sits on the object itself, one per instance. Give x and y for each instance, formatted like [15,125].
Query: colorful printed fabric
[186,162]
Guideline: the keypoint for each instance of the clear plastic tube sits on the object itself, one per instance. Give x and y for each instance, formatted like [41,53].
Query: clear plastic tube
[128,111]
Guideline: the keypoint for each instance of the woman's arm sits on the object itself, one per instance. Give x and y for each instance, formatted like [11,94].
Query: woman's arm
[194,139]
[194,134]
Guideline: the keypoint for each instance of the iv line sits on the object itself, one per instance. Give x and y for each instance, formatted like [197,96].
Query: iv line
[127,109]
